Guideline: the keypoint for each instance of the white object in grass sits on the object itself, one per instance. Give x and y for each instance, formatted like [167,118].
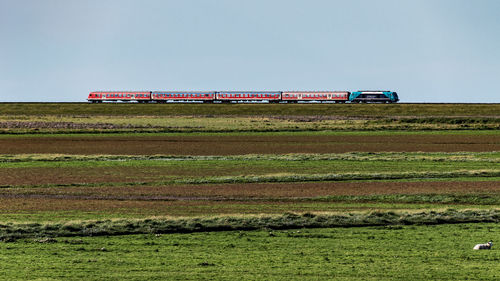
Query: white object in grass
[486,246]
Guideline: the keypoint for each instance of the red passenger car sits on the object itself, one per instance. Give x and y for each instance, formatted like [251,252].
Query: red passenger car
[98,97]
[166,96]
[322,96]
[246,96]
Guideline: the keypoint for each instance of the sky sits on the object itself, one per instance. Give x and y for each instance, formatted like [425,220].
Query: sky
[426,50]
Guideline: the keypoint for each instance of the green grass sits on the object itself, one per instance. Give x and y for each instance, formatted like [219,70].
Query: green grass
[441,252]
[39,124]
[493,156]
[309,163]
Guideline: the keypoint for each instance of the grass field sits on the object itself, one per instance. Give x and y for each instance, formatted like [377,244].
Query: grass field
[192,191]
[238,124]
[441,252]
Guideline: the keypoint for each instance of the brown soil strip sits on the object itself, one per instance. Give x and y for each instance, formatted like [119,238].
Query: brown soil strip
[252,191]
[69,175]
[235,145]
[162,208]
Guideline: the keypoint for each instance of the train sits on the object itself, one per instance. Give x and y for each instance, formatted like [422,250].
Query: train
[244,96]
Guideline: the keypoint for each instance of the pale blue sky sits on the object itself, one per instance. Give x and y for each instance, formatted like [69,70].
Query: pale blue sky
[426,50]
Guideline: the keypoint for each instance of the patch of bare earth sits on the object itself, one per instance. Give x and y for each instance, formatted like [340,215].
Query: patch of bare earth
[159,208]
[236,145]
[251,191]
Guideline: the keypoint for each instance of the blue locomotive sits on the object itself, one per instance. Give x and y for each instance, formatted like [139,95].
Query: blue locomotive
[373,96]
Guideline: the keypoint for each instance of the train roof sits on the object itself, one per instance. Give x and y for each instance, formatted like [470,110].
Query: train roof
[373,91]
[182,92]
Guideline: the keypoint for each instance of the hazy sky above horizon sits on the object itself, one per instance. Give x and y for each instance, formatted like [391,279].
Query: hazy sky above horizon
[426,50]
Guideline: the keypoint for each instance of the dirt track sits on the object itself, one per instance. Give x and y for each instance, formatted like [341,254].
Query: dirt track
[233,145]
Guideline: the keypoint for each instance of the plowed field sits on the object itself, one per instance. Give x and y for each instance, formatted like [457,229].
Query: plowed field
[234,145]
